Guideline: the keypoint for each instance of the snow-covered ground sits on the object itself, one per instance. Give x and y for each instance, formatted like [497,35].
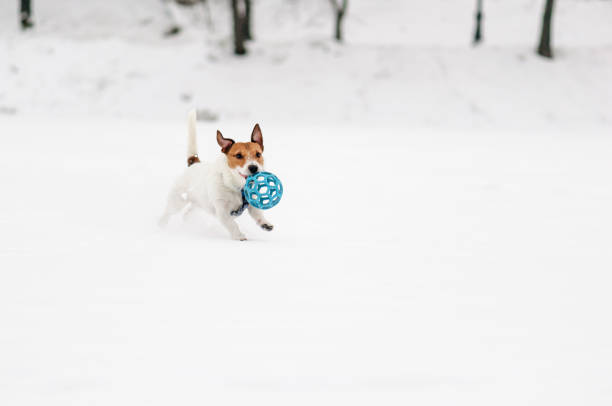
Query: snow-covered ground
[444,237]
[446,268]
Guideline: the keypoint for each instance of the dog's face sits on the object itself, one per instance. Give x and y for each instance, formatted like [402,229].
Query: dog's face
[243,158]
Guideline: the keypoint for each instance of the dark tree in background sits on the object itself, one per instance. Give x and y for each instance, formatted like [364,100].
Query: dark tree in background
[247,22]
[241,25]
[26,14]
[544,47]
[478,30]
[340,10]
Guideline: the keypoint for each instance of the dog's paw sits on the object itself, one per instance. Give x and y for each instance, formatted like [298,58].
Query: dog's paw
[239,237]
[267,227]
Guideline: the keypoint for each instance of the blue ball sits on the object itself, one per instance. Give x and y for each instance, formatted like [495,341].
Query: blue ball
[263,190]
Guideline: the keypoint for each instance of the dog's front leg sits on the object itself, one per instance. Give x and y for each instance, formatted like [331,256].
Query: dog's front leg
[223,214]
[260,219]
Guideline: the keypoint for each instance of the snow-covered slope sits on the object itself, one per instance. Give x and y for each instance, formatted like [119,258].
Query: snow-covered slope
[404,62]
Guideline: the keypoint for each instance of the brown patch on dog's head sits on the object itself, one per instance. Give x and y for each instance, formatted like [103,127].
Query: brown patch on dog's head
[240,154]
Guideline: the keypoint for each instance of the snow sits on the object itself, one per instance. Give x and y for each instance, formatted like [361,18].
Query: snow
[443,237]
[417,70]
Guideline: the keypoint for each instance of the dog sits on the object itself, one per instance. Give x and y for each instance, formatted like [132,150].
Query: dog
[216,187]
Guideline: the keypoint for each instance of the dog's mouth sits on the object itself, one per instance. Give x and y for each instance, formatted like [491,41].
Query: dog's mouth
[245,176]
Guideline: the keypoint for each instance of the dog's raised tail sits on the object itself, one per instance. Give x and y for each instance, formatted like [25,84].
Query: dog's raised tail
[192,144]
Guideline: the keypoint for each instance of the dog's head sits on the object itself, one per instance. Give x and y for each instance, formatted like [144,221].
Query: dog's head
[243,158]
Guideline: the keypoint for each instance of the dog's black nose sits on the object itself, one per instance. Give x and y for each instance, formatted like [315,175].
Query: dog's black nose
[253,168]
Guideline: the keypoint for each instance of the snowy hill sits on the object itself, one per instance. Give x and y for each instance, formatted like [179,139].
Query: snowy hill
[403,63]
[444,237]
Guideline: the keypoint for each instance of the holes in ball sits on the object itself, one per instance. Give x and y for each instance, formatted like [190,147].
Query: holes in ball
[263,190]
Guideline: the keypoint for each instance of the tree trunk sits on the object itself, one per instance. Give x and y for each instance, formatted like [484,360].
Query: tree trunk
[26,14]
[247,20]
[26,7]
[339,15]
[239,20]
[478,31]
[544,47]
[340,12]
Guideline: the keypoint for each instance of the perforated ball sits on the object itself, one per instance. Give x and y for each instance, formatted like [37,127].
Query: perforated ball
[263,190]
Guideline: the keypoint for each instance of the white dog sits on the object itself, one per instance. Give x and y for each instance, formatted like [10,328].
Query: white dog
[217,187]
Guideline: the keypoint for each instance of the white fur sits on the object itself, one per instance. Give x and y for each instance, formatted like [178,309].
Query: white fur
[192,145]
[213,187]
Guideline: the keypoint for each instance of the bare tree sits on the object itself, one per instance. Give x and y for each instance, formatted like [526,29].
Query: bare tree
[247,23]
[340,10]
[544,47]
[478,30]
[239,14]
[25,14]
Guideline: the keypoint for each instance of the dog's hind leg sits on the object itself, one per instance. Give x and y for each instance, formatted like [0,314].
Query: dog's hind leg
[176,202]
[188,213]
[192,208]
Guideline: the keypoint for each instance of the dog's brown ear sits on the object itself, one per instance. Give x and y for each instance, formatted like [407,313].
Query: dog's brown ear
[224,143]
[256,136]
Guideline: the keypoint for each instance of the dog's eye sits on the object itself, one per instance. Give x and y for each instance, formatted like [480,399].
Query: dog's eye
[258,155]
[239,156]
